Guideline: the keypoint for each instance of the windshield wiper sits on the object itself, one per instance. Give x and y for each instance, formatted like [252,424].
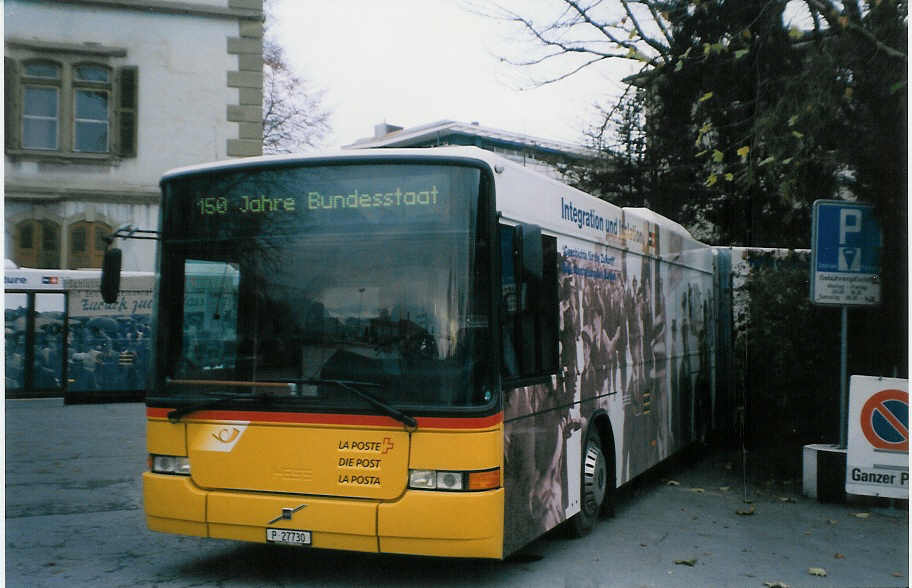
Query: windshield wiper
[353,386]
[356,388]
[175,415]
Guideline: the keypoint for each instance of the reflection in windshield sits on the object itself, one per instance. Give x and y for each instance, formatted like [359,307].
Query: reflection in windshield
[210,316]
[390,300]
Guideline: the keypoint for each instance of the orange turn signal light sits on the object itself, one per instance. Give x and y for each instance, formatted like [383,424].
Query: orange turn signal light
[486,480]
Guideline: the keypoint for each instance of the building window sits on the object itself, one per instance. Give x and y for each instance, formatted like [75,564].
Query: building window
[26,236]
[77,241]
[68,107]
[37,244]
[41,105]
[91,93]
[87,244]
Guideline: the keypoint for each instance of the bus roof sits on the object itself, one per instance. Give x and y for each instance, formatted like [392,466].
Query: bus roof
[416,153]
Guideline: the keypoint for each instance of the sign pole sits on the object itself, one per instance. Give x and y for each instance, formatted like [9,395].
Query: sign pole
[846,243]
[843,378]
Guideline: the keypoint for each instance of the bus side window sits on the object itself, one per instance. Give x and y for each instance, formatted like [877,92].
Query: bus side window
[529,309]
[509,301]
[548,307]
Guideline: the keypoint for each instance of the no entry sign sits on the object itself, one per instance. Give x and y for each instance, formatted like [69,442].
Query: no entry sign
[877,461]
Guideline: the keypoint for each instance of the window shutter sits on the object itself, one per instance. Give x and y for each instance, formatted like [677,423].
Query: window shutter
[12,100]
[127,106]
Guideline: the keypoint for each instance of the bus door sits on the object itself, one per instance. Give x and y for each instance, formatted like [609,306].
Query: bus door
[34,336]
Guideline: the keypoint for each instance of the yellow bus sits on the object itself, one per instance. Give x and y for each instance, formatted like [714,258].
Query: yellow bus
[431,351]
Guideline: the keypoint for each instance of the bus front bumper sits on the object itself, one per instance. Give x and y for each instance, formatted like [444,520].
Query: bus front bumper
[450,524]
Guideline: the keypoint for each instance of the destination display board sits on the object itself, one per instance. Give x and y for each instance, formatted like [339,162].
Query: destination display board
[307,199]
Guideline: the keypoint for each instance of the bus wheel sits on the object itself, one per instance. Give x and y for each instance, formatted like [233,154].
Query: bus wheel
[594,484]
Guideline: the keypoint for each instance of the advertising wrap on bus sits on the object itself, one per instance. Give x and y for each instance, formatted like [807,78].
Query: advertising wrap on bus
[109,344]
[135,298]
[76,346]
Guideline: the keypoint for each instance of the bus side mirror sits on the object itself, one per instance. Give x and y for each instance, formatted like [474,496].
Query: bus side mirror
[110,275]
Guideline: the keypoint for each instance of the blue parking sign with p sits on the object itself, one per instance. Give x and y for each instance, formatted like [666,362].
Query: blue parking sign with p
[846,247]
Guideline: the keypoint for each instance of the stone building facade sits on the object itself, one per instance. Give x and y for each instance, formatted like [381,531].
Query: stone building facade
[101,98]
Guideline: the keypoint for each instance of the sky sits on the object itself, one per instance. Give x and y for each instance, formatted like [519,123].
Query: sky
[413,62]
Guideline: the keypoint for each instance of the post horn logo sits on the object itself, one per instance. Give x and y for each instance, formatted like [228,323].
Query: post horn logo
[226,435]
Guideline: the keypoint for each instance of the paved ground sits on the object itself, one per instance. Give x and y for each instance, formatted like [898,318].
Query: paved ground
[74,518]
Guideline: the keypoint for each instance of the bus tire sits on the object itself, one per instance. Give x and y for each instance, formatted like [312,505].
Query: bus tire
[611,484]
[593,485]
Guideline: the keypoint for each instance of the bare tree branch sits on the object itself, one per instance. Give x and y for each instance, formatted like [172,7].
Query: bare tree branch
[648,37]
[294,116]
[661,49]
[660,21]
[576,29]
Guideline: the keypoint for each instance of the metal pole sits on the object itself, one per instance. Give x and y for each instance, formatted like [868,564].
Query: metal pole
[843,379]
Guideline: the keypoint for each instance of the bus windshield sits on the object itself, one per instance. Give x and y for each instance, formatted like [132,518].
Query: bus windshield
[312,280]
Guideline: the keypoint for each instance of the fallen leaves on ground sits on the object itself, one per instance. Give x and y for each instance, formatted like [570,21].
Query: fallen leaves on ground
[746,511]
[839,556]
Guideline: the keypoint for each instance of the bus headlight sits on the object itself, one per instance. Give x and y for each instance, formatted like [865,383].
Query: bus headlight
[169,464]
[454,481]
[422,479]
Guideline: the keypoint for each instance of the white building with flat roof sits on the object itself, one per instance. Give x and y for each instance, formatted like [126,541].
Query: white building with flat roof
[543,155]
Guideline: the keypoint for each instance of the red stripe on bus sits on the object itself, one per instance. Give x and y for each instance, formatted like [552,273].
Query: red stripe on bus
[334,419]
